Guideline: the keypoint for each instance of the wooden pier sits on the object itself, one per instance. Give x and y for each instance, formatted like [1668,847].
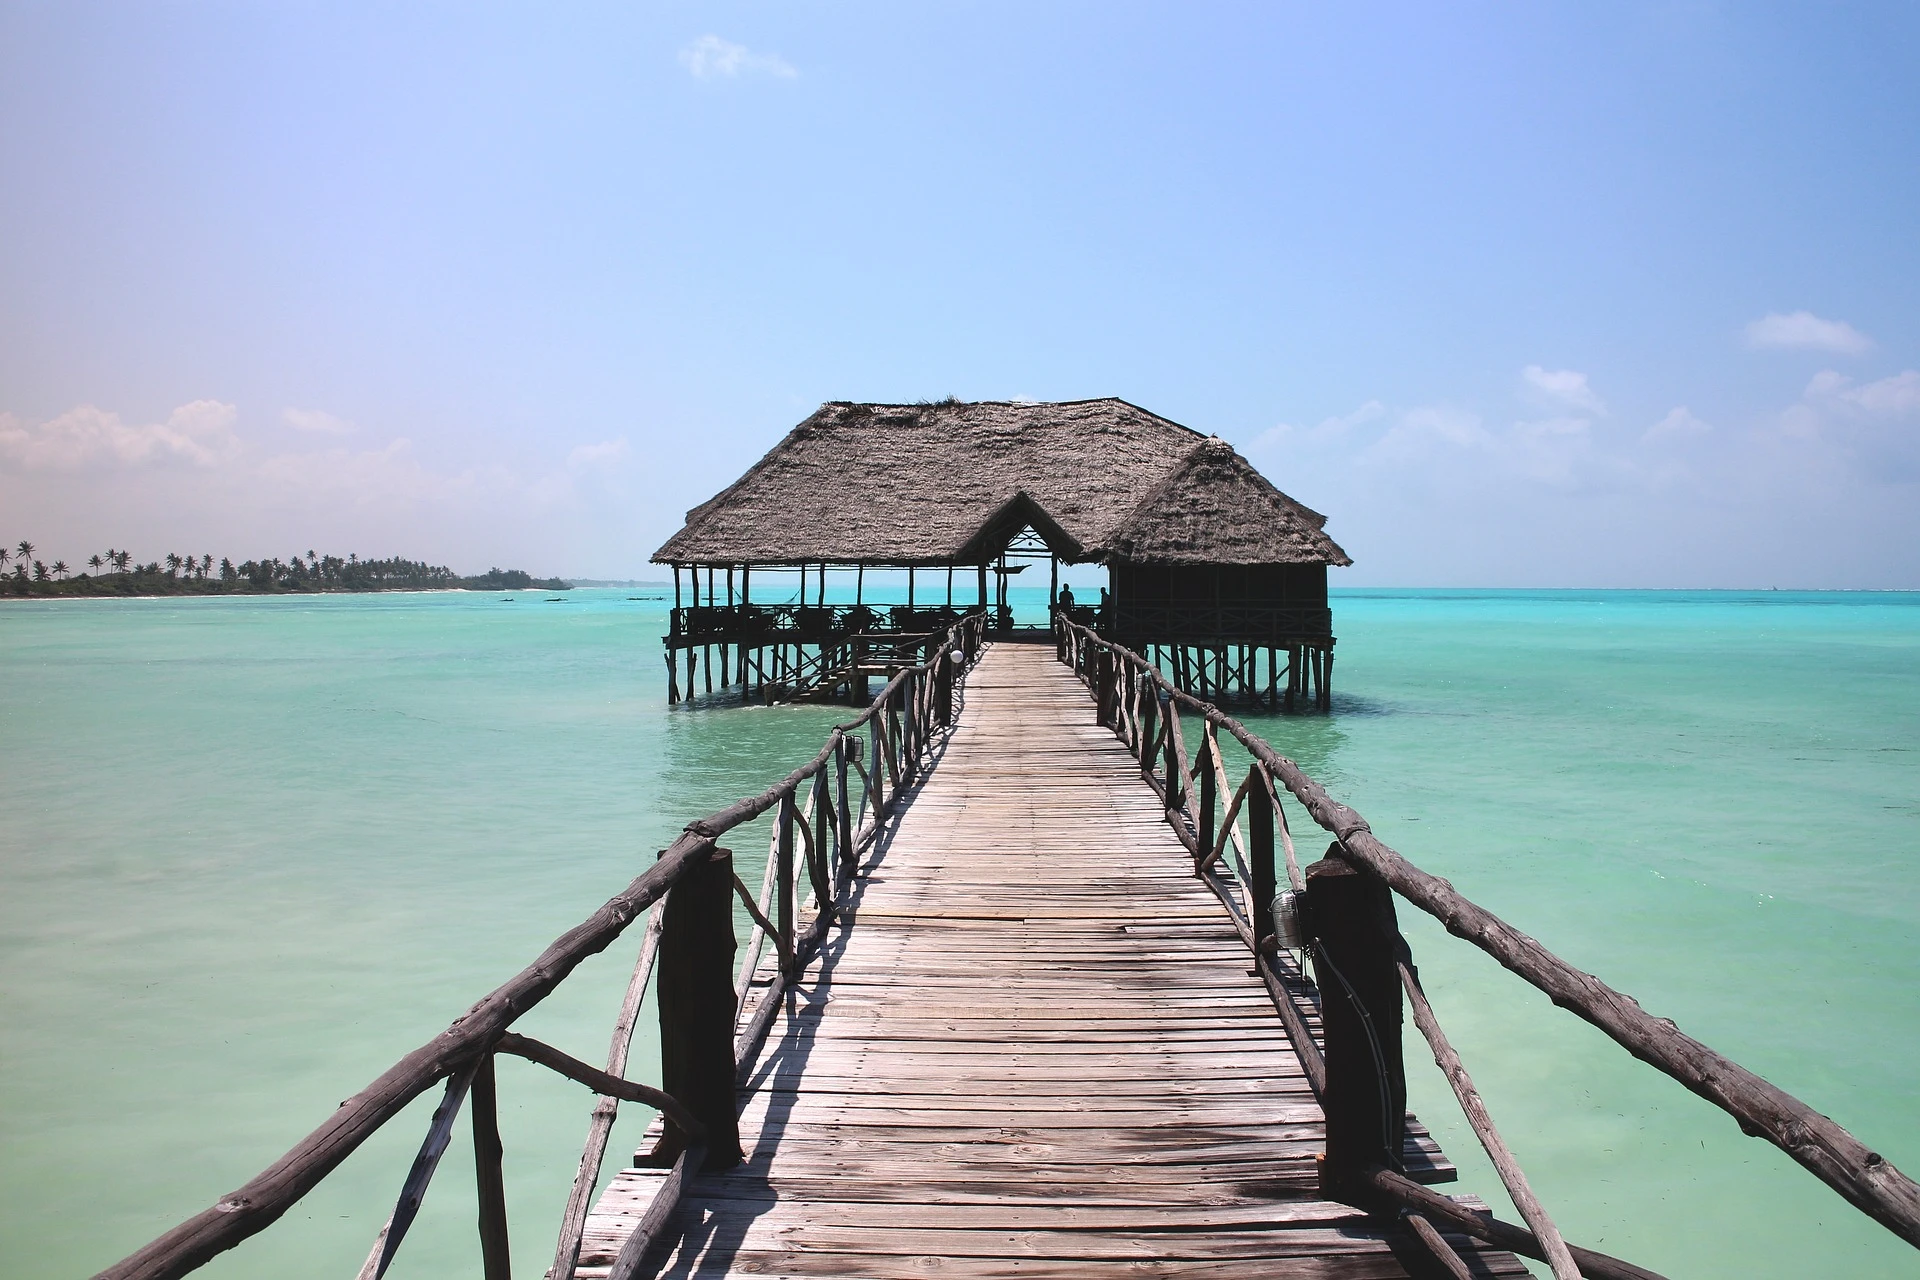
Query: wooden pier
[1031,1047]
[1021,998]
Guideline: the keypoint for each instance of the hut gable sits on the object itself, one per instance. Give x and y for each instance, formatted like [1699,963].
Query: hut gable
[1214,508]
[921,484]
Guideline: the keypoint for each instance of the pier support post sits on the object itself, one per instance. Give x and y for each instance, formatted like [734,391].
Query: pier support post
[1356,940]
[697,1008]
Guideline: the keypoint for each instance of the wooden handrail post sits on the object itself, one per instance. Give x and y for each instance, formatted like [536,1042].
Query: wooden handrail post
[1149,724]
[1356,942]
[945,703]
[1259,806]
[783,876]
[1203,773]
[495,1259]
[843,839]
[1176,790]
[1104,671]
[695,995]
[818,867]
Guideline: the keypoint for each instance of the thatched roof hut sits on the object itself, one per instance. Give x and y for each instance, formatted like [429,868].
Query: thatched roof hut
[950,483]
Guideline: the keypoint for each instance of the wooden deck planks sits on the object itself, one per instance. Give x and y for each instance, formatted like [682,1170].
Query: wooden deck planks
[1031,1048]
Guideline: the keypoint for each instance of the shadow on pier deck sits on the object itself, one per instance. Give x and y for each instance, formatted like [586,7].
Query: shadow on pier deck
[1031,1046]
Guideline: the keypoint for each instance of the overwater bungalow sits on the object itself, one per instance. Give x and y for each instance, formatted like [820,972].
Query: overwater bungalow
[1212,571]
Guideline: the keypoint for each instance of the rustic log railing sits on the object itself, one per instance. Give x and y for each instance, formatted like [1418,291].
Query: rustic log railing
[1339,911]
[823,814]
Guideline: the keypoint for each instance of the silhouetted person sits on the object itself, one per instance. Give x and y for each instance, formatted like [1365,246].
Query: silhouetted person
[1066,599]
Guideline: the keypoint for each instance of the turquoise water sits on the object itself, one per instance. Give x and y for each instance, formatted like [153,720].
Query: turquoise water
[254,850]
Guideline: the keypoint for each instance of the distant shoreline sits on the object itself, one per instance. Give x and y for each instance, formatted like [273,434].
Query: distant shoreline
[146,587]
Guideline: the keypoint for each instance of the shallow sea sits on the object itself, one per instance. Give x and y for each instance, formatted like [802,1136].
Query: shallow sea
[252,851]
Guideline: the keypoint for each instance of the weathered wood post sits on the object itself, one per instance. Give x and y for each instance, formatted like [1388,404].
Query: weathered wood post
[1149,713]
[818,866]
[1176,785]
[495,1258]
[1203,774]
[843,750]
[783,874]
[1356,940]
[944,686]
[1103,674]
[1259,807]
[695,995]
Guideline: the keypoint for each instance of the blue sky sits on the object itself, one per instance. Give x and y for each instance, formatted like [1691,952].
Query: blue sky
[1519,294]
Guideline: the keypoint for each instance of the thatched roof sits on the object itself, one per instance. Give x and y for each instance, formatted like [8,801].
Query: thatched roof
[1214,508]
[948,483]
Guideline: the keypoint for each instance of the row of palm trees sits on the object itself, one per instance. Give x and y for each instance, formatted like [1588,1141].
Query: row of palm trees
[307,572]
[24,565]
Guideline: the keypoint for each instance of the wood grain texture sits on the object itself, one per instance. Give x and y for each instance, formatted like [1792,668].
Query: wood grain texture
[1032,1043]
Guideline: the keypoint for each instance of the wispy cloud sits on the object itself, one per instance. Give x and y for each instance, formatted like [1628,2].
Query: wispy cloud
[1559,389]
[1805,331]
[597,455]
[317,421]
[1679,423]
[199,433]
[710,57]
[1326,431]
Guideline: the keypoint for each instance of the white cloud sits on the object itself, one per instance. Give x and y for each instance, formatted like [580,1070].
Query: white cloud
[1872,428]
[598,455]
[317,421]
[1680,422]
[1561,389]
[1423,430]
[199,433]
[710,56]
[1326,431]
[1803,330]
[1894,397]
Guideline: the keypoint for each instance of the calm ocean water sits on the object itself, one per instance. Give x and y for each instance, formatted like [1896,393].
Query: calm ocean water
[254,850]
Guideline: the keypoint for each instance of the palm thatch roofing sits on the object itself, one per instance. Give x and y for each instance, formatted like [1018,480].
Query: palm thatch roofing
[951,482]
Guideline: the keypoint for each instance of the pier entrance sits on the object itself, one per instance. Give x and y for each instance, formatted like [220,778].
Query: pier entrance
[1031,1047]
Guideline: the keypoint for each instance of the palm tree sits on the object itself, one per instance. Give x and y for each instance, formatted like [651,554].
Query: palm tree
[94,561]
[60,568]
[39,571]
[25,550]
[5,555]
[206,565]
[173,564]
[121,559]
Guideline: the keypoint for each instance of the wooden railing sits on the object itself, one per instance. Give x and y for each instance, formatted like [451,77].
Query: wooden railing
[1340,912]
[828,810]
[812,623]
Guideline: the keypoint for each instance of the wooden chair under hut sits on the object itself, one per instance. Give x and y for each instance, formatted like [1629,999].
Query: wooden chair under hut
[1213,571]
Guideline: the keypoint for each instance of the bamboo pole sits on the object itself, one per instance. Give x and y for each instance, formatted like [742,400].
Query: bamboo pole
[1511,1175]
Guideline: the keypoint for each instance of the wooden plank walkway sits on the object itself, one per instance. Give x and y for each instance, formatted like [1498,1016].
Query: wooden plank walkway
[1033,1048]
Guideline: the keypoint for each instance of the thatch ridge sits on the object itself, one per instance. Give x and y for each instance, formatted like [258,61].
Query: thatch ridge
[927,483]
[1216,508]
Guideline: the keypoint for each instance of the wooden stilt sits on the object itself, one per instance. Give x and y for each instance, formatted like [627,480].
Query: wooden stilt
[673,677]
